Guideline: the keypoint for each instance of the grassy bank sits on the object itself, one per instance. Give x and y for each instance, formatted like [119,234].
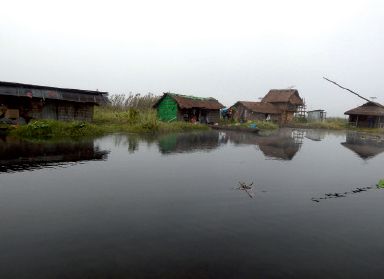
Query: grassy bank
[334,123]
[106,120]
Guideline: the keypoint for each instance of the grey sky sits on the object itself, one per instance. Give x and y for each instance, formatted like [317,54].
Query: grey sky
[229,50]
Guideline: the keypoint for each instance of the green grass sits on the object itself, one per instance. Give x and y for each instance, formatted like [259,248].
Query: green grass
[139,121]
[57,128]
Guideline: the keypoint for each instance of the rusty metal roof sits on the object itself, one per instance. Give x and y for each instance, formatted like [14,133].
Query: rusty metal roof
[260,107]
[283,96]
[47,92]
[367,109]
[188,102]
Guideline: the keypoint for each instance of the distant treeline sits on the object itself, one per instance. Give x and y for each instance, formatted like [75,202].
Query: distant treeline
[136,101]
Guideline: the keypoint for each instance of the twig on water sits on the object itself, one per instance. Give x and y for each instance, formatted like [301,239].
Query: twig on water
[244,187]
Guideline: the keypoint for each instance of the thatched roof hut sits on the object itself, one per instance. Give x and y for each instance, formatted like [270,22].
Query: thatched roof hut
[283,96]
[177,107]
[287,100]
[251,111]
[360,116]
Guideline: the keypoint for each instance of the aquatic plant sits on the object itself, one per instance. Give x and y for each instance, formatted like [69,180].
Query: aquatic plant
[380,185]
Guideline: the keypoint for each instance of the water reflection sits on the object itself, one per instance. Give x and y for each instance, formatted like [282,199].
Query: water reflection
[365,146]
[182,143]
[21,155]
[315,135]
[155,210]
[281,145]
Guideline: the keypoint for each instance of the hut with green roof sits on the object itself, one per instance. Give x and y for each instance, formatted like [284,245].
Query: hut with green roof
[176,107]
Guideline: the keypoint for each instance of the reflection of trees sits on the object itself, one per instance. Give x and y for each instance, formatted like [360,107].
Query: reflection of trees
[132,141]
[20,155]
[365,146]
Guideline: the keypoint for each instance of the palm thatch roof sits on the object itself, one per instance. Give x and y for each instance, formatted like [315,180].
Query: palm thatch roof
[260,107]
[283,96]
[188,102]
[367,109]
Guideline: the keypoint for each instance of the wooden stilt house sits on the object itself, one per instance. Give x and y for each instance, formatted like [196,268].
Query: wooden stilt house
[286,100]
[44,102]
[176,107]
[252,111]
[361,115]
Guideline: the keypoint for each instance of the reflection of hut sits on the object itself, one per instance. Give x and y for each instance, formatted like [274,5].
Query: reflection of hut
[364,147]
[282,145]
[251,111]
[43,102]
[176,107]
[185,143]
[315,135]
[19,155]
[286,100]
[316,116]
[359,116]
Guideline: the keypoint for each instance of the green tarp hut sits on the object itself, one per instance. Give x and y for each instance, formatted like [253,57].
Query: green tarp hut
[176,107]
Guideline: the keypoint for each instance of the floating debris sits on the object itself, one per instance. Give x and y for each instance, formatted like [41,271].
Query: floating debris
[343,195]
[245,187]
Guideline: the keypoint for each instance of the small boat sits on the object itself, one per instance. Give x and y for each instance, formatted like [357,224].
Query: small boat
[253,128]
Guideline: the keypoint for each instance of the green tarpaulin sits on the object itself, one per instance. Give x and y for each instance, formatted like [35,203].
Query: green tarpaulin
[167,109]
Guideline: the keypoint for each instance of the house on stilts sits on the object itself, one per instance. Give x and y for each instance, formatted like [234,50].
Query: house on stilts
[278,105]
[177,107]
[252,111]
[286,100]
[369,112]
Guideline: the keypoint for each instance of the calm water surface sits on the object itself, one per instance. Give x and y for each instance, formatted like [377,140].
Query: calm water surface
[128,206]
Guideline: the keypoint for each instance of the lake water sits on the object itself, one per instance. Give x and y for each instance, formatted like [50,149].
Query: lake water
[168,206]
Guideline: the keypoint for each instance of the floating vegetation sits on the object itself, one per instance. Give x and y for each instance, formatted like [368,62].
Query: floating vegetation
[343,195]
[380,185]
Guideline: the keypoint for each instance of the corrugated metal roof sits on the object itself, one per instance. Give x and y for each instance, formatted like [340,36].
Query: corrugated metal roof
[283,95]
[47,92]
[367,109]
[260,107]
[188,102]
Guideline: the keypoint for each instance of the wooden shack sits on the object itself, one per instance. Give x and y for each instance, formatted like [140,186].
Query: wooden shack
[43,102]
[252,111]
[359,116]
[176,107]
[316,116]
[286,100]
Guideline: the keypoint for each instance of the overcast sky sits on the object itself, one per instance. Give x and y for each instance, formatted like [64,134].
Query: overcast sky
[229,50]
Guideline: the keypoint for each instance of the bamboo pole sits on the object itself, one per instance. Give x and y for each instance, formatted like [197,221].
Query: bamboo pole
[347,89]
